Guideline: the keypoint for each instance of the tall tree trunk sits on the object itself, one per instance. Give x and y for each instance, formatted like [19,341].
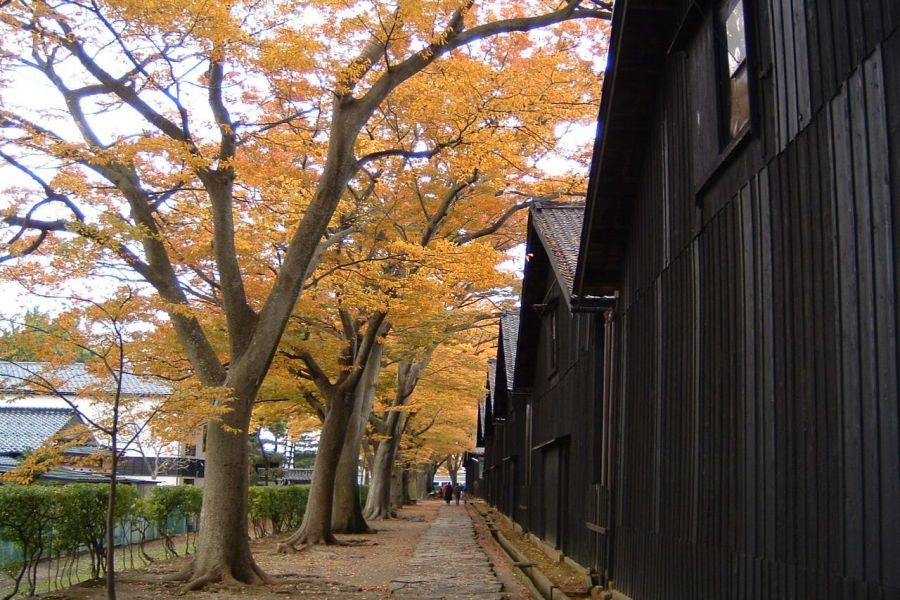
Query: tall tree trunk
[342,398]
[378,503]
[368,459]
[347,516]
[111,513]
[223,542]
[398,497]
[316,526]
[423,481]
[432,471]
[407,484]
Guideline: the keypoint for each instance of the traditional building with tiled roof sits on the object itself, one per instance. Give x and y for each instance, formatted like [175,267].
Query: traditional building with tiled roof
[549,369]
[44,399]
[71,379]
[558,227]
[23,429]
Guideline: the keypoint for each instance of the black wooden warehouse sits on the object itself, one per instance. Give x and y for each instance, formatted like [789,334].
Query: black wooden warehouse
[740,207]
[555,390]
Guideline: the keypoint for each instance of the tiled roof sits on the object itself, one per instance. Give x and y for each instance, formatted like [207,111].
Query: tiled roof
[297,475]
[72,476]
[492,376]
[24,429]
[87,450]
[62,475]
[492,384]
[559,227]
[70,378]
[509,330]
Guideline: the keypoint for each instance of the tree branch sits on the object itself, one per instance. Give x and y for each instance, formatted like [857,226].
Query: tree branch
[120,89]
[219,183]
[453,193]
[314,372]
[406,154]
[454,36]
[361,357]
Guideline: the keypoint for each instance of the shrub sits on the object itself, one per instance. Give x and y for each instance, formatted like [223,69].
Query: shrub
[165,504]
[63,521]
[81,521]
[26,516]
[363,494]
[59,520]
[282,507]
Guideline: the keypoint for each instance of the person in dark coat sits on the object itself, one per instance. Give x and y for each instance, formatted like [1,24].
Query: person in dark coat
[448,493]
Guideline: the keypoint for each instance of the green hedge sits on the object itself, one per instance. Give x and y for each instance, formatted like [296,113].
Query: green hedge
[44,520]
[165,506]
[281,506]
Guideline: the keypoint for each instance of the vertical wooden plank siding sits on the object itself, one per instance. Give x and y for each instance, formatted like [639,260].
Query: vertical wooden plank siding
[885,313]
[758,400]
[889,235]
[744,395]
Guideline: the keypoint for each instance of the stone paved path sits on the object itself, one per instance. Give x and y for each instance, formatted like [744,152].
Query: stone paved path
[448,563]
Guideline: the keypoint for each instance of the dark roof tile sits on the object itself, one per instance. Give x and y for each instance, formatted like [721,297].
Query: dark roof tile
[509,331]
[23,429]
[71,378]
[559,227]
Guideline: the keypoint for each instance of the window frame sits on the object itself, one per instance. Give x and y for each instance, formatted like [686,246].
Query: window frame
[725,77]
[728,146]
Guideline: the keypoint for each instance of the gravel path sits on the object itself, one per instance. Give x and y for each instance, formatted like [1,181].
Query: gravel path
[448,563]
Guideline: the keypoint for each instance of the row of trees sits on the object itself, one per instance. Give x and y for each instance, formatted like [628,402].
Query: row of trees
[305,205]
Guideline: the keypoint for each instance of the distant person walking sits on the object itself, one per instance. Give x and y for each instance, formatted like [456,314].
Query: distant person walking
[448,492]
[457,492]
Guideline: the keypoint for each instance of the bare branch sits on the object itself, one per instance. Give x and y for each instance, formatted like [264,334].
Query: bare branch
[406,154]
[450,198]
[120,88]
[314,372]
[496,225]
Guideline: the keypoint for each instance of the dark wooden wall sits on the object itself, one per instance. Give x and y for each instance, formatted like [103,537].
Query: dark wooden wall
[757,408]
[501,437]
[565,434]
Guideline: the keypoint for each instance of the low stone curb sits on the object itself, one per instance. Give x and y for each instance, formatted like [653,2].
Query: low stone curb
[546,588]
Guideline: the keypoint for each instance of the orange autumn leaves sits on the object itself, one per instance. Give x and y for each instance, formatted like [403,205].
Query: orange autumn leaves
[451,153]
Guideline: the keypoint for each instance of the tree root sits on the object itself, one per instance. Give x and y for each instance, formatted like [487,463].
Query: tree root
[304,537]
[287,548]
[365,530]
[196,584]
[300,542]
[254,577]
[359,542]
[183,575]
[381,514]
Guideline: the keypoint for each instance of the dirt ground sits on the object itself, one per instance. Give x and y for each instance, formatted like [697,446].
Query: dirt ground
[361,570]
